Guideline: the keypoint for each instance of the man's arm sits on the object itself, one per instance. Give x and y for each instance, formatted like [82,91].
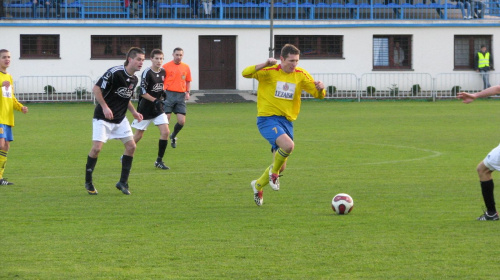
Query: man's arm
[314,88]
[188,90]
[250,70]
[148,96]
[131,108]
[157,102]
[469,97]
[108,114]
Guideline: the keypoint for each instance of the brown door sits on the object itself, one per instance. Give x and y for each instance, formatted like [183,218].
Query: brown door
[217,56]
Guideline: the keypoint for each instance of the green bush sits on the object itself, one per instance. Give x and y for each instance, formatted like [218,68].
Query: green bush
[80,92]
[370,91]
[455,90]
[416,89]
[331,89]
[48,89]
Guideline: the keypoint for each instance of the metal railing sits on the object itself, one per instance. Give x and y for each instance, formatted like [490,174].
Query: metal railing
[392,85]
[252,9]
[54,89]
[338,86]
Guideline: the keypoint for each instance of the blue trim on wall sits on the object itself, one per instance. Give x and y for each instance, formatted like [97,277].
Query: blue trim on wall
[250,26]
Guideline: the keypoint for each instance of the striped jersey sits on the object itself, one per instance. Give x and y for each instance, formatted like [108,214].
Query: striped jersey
[279,92]
[117,89]
[152,84]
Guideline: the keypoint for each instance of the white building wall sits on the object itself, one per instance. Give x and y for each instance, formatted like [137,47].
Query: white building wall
[432,47]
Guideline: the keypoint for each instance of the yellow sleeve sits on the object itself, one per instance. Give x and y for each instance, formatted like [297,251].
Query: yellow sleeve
[310,87]
[249,71]
[16,104]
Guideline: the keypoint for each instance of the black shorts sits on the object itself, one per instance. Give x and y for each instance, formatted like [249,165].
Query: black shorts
[175,102]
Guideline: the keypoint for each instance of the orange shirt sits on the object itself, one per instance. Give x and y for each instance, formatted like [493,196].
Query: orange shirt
[176,76]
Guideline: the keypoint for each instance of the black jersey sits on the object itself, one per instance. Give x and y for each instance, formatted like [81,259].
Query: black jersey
[151,83]
[117,88]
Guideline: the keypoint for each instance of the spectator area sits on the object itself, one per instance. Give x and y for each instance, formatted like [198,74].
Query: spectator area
[253,10]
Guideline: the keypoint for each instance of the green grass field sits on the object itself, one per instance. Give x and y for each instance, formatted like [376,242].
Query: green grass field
[410,167]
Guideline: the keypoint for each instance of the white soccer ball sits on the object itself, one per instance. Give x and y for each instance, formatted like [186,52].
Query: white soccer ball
[342,203]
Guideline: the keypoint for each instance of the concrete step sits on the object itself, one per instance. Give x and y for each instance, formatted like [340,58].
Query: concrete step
[222,96]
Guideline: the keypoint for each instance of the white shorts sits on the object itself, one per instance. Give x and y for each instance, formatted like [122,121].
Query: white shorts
[102,131]
[492,160]
[143,125]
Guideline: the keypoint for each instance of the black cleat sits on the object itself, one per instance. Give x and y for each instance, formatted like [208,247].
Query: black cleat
[90,188]
[4,182]
[173,141]
[123,187]
[486,217]
[161,165]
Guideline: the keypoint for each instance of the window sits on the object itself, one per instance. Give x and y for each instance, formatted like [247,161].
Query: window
[117,46]
[392,52]
[311,46]
[466,47]
[39,46]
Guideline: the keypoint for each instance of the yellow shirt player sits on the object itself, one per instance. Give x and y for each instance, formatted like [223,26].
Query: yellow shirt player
[8,103]
[278,105]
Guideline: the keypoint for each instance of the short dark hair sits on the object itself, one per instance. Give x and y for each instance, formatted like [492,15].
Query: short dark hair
[178,49]
[155,52]
[483,46]
[4,50]
[289,49]
[132,53]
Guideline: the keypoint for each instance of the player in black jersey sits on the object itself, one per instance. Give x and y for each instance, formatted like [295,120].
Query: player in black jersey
[151,105]
[113,92]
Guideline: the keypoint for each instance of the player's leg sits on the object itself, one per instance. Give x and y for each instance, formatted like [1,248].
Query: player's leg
[168,108]
[123,132]
[140,128]
[180,111]
[100,134]
[90,166]
[128,157]
[485,169]
[181,120]
[4,149]
[162,123]
[168,104]
[286,146]
[138,135]
[487,190]
[276,133]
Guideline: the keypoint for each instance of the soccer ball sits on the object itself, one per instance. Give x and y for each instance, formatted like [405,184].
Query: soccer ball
[342,203]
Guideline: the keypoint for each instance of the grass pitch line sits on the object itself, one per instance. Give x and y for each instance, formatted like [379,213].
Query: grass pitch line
[433,154]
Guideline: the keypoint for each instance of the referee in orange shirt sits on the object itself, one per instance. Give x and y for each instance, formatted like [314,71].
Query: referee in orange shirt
[177,85]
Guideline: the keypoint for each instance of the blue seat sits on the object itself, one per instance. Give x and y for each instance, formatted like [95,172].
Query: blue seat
[233,5]
[280,5]
[250,5]
[309,8]
[74,5]
[18,5]
[29,4]
[174,6]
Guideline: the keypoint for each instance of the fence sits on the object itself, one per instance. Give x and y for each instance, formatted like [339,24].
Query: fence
[399,85]
[54,88]
[252,9]
[338,86]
